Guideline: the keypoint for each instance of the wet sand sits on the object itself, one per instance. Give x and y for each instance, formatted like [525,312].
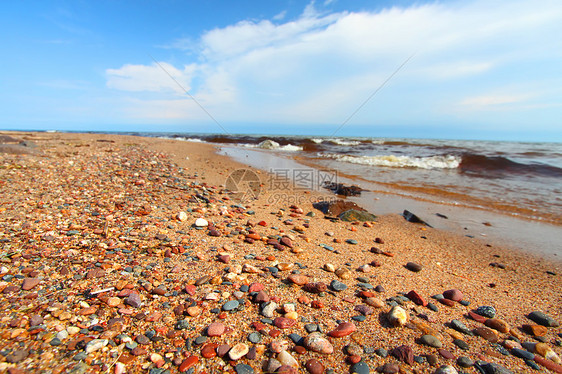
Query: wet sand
[103,270]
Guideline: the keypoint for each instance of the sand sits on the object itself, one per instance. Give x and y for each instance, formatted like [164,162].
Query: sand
[83,213]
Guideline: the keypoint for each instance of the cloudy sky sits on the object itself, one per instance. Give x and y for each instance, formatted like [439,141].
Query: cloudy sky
[440,69]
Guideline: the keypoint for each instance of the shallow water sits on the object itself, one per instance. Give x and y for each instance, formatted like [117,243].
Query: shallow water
[529,236]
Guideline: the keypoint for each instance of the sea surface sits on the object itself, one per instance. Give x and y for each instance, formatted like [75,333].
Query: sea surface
[513,178]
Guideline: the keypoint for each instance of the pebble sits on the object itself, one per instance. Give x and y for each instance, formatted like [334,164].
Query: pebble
[243,369]
[486,334]
[238,351]
[431,341]
[314,366]
[521,353]
[453,294]
[254,337]
[230,305]
[465,362]
[133,300]
[497,324]
[285,358]
[416,298]
[460,327]
[543,319]
[412,266]
[390,368]
[94,345]
[316,342]
[360,368]
[486,311]
[397,316]
[216,329]
[338,286]
[201,222]
[343,329]
[446,369]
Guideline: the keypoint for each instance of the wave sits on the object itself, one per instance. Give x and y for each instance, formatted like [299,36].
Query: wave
[271,144]
[498,166]
[433,162]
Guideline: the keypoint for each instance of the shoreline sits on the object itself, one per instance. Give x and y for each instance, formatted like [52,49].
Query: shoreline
[101,272]
[496,228]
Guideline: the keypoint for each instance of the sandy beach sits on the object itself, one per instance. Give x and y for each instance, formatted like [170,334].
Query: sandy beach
[125,254]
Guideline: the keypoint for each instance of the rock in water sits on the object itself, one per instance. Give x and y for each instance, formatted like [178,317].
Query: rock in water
[411,217]
[353,215]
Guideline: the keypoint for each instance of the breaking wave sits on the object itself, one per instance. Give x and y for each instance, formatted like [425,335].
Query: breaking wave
[433,162]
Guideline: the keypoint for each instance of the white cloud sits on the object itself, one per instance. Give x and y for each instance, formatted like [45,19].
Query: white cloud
[155,78]
[280,16]
[319,64]
[492,102]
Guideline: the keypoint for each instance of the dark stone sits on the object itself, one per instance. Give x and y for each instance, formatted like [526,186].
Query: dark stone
[411,217]
[360,368]
[543,319]
[412,266]
[404,353]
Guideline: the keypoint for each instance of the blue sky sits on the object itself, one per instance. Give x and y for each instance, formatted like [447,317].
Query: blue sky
[480,69]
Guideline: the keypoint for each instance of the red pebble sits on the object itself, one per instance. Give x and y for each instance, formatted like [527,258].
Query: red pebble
[477,317]
[317,304]
[274,333]
[190,289]
[262,223]
[343,329]
[447,302]
[255,287]
[209,350]
[416,298]
[284,323]
[187,363]
[548,364]
[353,359]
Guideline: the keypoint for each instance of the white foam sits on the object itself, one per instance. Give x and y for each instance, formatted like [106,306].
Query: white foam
[270,144]
[345,142]
[433,162]
[318,141]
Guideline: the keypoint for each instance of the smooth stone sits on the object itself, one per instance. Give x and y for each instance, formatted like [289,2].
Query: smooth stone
[446,369]
[460,327]
[412,266]
[497,324]
[216,329]
[431,341]
[254,337]
[381,352]
[243,369]
[285,358]
[486,334]
[461,344]
[343,329]
[230,305]
[521,353]
[543,319]
[314,366]
[201,222]
[453,294]
[493,368]
[238,351]
[94,345]
[416,298]
[360,368]
[465,362]
[316,342]
[338,286]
